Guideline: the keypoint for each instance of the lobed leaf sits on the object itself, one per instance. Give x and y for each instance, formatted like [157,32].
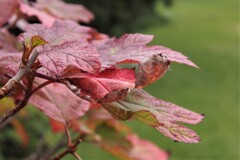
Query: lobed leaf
[70,53]
[131,48]
[157,113]
[67,46]
[59,103]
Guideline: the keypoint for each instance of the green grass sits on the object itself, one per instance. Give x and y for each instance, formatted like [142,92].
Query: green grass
[207,31]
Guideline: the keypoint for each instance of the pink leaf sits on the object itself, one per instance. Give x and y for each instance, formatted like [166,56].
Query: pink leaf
[67,46]
[132,48]
[45,18]
[59,32]
[59,103]
[60,9]
[71,53]
[9,63]
[49,11]
[8,7]
[175,56]
[159,114]
[145,150]
[107,86]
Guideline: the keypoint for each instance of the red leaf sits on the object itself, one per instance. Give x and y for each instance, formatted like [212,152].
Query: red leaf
[159,114]
[8,7]
[56,126]
[59,103]
[107,86]
[145,150]
[60,9]
[132,48]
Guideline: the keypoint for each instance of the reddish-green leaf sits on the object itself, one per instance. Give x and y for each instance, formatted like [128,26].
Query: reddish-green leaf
[159,114]
[117,111]
[37,41]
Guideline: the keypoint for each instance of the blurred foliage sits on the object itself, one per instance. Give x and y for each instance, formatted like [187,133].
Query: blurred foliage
[14,144]
[121,16]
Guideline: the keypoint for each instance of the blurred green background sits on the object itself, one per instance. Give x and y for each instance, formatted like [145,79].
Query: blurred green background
[207,31]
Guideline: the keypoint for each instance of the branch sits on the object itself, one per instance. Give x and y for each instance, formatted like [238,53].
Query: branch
[68,150]
[14,81]
[12,112]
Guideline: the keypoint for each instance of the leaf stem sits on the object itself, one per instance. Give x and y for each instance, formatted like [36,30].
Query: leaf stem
[53,79]
[69,139]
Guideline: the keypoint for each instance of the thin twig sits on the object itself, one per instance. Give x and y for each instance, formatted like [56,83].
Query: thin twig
[40,86]
[67,150]
[70,149]
[54,150]
[12,112]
